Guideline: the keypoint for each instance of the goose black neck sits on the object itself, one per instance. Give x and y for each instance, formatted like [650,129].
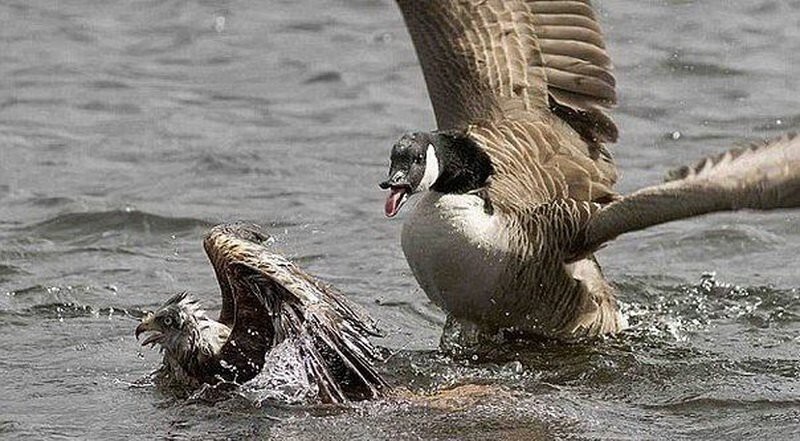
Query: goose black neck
[464,165]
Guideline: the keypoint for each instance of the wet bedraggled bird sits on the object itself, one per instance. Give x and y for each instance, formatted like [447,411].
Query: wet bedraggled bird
[266,300]
[517,183]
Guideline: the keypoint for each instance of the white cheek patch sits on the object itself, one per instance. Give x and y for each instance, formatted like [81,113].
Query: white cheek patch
[431,169]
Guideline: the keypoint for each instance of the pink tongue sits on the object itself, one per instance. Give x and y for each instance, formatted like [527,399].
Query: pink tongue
[393,201]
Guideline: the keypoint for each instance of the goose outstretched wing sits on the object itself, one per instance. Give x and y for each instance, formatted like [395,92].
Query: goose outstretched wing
[761,176]
[490,59]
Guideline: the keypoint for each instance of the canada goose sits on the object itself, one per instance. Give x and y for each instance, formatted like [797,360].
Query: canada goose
[266,300]
[517,183]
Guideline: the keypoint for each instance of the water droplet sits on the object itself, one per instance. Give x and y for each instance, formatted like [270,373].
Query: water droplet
[385,37]
[219,23]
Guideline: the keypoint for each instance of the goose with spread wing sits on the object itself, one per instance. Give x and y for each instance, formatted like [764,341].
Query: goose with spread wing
[517,183]
[266,300]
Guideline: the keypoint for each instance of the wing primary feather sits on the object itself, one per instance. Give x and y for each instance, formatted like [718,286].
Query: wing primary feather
[496,60]
[274,301]
[220,250]
[241,358]
[763,176]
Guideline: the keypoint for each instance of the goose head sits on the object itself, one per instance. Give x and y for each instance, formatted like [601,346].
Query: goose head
[414,168]
[443,161]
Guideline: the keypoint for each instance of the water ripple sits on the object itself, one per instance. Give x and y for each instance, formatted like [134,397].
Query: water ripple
[69,310]
[678,65]
[72,226]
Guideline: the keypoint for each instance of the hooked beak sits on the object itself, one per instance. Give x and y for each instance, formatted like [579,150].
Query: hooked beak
[399,190]
[148,325]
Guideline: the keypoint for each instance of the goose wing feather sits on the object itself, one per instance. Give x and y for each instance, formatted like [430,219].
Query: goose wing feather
[761,176]
[489,59]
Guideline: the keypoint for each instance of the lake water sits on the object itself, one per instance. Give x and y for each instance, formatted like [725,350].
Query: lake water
[128,128]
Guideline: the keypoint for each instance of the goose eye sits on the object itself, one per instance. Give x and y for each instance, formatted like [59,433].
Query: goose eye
[167,321]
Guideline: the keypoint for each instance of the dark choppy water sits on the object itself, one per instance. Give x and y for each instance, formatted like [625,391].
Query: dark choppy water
[128,128]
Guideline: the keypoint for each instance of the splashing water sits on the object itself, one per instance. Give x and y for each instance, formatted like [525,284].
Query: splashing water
[283,379]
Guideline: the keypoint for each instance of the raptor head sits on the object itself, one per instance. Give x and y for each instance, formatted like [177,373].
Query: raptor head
[174,325]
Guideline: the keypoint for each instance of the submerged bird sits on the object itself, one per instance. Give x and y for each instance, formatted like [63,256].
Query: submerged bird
[517,184]
[266,300]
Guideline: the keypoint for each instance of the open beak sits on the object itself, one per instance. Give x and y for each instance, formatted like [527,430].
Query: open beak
[148,325]
[398,195]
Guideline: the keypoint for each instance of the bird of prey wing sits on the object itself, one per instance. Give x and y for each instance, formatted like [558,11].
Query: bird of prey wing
[762,176]
[271,300]
[489,59]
